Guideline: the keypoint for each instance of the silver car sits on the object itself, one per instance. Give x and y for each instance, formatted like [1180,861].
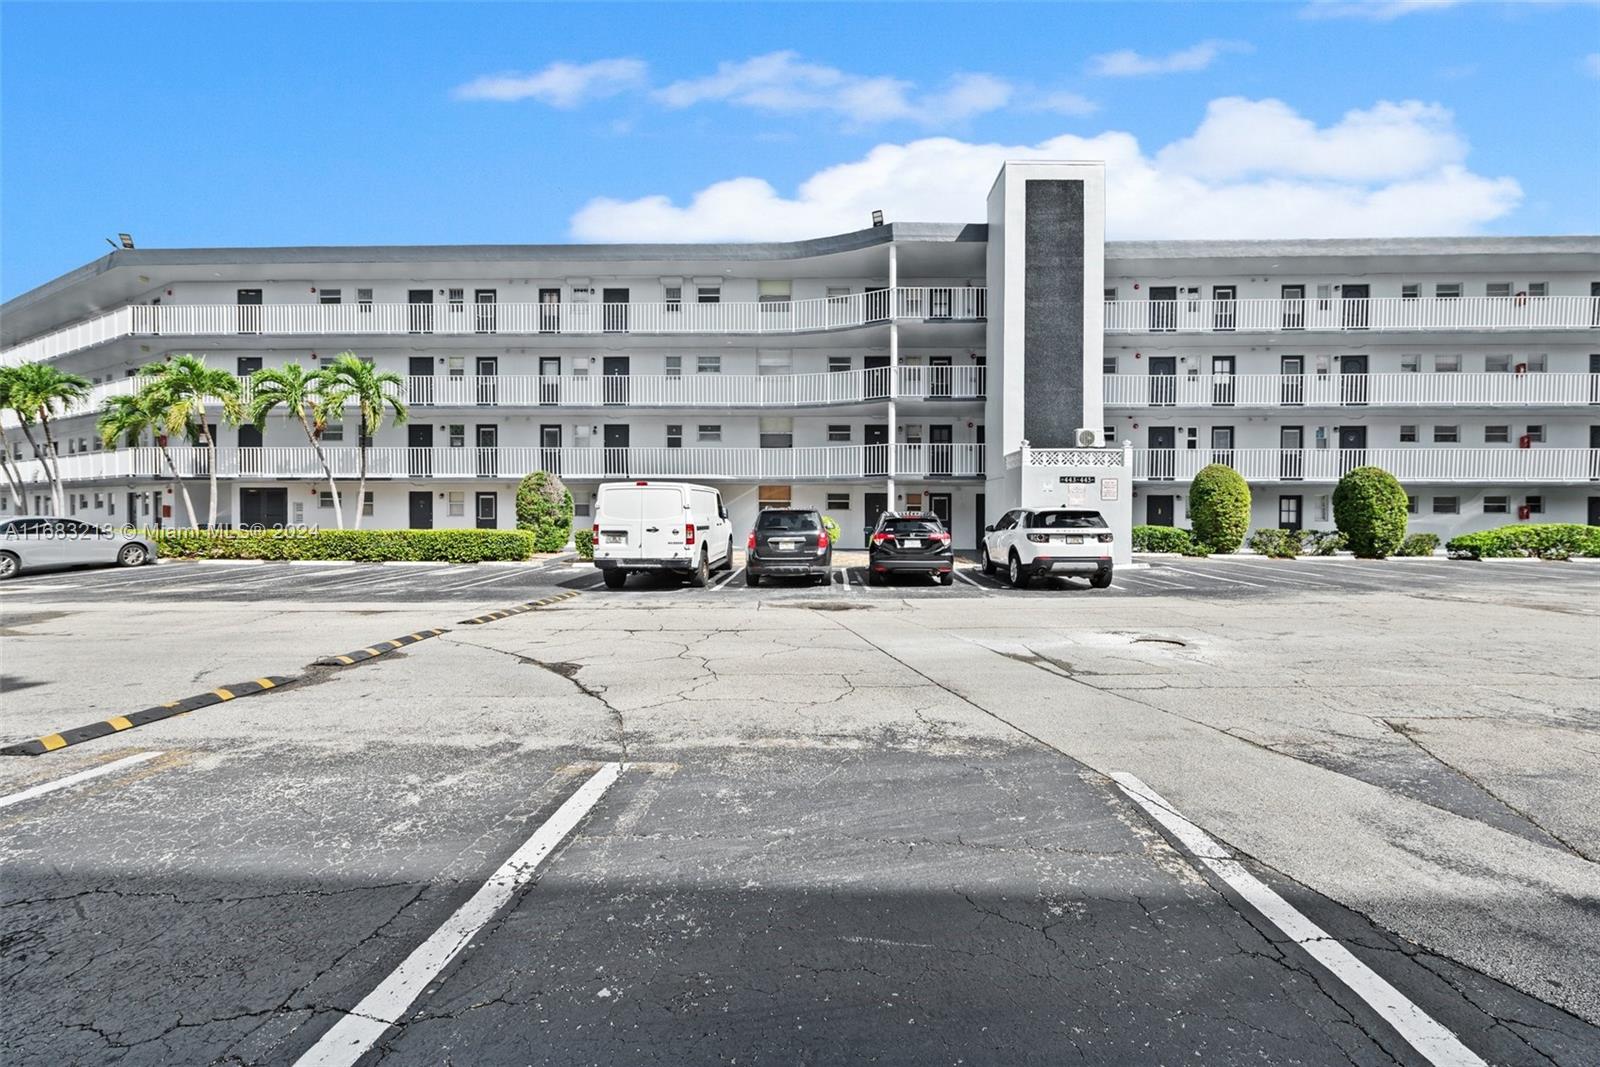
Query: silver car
[38,543]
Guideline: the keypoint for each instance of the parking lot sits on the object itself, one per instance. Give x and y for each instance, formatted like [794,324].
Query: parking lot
[903,824]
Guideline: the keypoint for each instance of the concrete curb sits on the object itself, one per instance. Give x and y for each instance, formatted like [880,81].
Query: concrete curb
[531,605]
[117,723]
[361,655]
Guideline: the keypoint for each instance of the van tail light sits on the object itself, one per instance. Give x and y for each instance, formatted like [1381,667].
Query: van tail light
[595,533]
[822,540]
[1104,539]
[688,533]
[750,544]
[880,537]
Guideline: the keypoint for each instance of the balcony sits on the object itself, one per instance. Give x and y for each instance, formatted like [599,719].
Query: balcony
[1316,315]
[1494,466]
[1496,389]
[821,463]
[904,304]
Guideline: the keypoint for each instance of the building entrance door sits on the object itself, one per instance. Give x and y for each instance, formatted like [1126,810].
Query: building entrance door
[421,510]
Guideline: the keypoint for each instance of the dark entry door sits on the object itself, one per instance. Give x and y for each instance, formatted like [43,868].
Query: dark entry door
[249,302]
[1163,381]
[419,450]
[614,379]
[614,310]
[1352,448]
[247,365]
[263,507]
[616,449]
[1224,306]
[1594,458]
[1293,382]
[876,458]
[487,310]
[488,369]
[1291,452]
[550,448]
[1222,383]
[873,506]
[487,509]
[1294,307]
[488,440]
[420,313]
[983,509]
[939,504]
[549,310]
[939,377]
[549,379]
[1594,379]
[941,450]
[1163,308]
[1163,442]
[1158,510]
[1355,314]
[419,379]
[1353,379]
[421,510]
[875,371]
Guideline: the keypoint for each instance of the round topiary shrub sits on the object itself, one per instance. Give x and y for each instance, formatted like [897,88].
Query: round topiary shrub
[1369,507]
[544,506]
[1219,508]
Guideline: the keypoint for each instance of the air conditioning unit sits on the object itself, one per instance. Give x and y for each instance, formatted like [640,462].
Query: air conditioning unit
[1084,437]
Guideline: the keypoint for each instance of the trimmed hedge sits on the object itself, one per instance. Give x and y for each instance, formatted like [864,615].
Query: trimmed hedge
[1418,544]
[583,540]
[830,525]
[544,505]
[1275,543]
[367,546]
[1219,508]
[1369,507]
[1546,540]
[1321,542]
[1160,539]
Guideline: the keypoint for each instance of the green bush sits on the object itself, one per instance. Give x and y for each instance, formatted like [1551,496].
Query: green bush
[1274,543]
[831,526]
[1418,544]
[1369,507]
[1160,539]
[368,546]
[1219,508]
[545,506]
[584,541]
[1194,548]
[1321,542]
[1546,540]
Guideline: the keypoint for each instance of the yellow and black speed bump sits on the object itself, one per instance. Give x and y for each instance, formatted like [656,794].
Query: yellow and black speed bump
[531,605]
[374,651]
[117,723]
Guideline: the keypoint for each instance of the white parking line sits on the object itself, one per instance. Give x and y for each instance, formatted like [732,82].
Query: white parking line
[73,779]
[728,580]
[356,1033]
[1437,1044]
[1215,577]
[972,582]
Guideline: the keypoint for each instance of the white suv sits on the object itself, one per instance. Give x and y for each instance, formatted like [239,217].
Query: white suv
[662,528]
[1049,541]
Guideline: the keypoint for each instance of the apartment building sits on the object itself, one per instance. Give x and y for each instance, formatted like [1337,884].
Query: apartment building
[904,365]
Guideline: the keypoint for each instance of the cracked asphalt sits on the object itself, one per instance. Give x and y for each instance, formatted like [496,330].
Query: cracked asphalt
[854,826]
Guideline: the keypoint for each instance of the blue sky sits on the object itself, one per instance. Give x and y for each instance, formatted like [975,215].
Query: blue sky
[238,124]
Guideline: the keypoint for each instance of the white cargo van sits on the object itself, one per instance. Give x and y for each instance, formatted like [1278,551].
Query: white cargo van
[663,527]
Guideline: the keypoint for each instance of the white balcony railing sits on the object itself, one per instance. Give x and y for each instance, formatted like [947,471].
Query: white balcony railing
[1336,390]
[818,463]
[907,303]
[1338,315]
[1474,465]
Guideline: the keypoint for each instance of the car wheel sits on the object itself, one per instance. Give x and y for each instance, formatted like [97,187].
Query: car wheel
[1015,574]
[727,560]
[9,565]
[614,579]
[874,578]
[133,555]
[823,579]
[700,577]
[947,578]
[988,564]
[751,577]
[1101,579]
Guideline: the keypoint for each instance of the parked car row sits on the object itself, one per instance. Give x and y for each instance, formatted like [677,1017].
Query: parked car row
[676,528]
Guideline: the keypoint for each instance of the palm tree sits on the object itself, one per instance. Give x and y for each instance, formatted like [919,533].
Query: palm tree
[186,384]
[37,391]
[351,378]
[128,416]
[300,394]
[13,476]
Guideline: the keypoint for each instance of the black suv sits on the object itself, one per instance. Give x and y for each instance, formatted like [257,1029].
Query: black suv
[910,542]
[789,543]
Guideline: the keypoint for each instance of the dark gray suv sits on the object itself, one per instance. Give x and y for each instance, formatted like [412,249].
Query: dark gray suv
[789,543]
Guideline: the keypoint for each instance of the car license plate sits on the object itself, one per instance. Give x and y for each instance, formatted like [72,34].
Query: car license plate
[1075,540]
[786,546]
[912,543]
[616,538]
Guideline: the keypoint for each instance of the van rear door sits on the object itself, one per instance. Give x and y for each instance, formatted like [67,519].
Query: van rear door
[661,519]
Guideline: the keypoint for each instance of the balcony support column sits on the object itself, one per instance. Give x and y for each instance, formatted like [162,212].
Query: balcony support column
[894,370]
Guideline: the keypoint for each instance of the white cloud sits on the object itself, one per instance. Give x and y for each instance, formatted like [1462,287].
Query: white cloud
[563,85]
[1181,191]
[1128,63]
[1064,103]
[1374,10]
[1591,64]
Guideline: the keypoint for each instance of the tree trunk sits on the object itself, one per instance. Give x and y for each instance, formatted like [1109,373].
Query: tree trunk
[188,502]
[333,487]
[211,467]
[361,491]
[27,432]
[13,477]
[52,465]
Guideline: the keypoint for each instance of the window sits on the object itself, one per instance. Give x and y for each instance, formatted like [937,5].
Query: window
[1410,364]
[1411,505]
[1108,364]
[914,502]
[1497,289]
[99,501]
[674,366]
[1446,505]
[709,433]
[839,435]
[1536,433]
[1535,505]
[776,432]
[364,301]
[1496,505]
[1288,512]
[709,294]
[456,503]
[458,435]
[1535,364]
[325,500]
[1497,364]
[1447,290]
[708,364]
[838,502]
[838,364]
[674,297]
[1410,291]
[330,296]
[1110,435]
[675,435]
[581,509]
[774,295]
[1538,288]
[1447,364]
[332,431]
[773,496]
[1496,435]
[1408,435]
[458,301]
[1446,435]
